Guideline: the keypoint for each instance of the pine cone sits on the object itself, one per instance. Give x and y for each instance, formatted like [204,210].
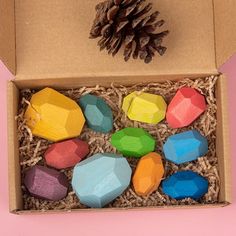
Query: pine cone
[128,22]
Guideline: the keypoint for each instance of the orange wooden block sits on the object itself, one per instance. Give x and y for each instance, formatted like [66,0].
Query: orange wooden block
[148,174]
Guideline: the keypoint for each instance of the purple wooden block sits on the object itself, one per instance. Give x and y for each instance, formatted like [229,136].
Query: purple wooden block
[45,183]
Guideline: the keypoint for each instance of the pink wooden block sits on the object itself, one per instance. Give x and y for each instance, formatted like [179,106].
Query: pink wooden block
[186,106]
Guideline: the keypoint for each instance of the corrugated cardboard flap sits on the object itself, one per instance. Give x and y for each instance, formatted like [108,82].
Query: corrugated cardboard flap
[52,41]
[225,30]
[222,141]
[7,34]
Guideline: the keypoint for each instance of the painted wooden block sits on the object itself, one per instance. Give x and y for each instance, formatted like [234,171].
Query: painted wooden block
[185,107]
[45,183]
[66,154]
[184,147]
[101,178]
[144,107]
[133,142]
[185,184]
[148,174]
[98,114]
[53,116]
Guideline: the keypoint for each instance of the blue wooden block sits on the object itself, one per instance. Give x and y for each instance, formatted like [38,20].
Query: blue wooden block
[100,179]
[97,113]
[184,147]
[185,184]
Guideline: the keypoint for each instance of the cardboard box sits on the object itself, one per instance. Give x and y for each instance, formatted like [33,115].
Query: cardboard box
[45,43]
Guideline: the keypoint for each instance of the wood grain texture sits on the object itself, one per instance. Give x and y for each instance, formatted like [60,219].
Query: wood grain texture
[45,183]
[144,107]
[66,154]
[148,174]
[54,116]
[185,107]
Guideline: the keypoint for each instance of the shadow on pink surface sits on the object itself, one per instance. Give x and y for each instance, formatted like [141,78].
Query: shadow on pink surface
[219,221]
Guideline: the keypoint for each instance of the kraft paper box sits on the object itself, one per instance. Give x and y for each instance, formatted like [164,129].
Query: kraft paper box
[45,43]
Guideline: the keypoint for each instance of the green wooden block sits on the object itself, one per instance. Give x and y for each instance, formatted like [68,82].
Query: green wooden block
[133,142]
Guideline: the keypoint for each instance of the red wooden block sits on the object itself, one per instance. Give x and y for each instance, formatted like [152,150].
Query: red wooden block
[186,106]
[66,154]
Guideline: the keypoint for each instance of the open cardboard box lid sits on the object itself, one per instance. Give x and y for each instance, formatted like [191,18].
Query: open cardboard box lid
[49,39]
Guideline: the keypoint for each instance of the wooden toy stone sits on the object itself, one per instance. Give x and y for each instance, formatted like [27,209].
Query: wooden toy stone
[148,174]
[184,147]
[100,179]
[45,183]
[53,116]
[66,154]
[144,107]
[185,184]
[133,142]
[98,114]
[185,107]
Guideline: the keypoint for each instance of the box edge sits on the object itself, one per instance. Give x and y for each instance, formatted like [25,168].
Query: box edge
[14,189]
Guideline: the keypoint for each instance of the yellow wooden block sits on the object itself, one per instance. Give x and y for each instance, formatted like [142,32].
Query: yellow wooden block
[53,116]
[144,107]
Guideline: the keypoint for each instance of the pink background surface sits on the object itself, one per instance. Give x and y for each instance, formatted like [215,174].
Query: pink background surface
[220,221]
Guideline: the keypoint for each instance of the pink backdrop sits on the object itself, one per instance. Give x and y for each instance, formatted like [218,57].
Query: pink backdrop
[221,221]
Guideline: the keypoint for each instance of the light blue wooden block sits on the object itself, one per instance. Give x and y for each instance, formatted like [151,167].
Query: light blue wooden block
[184,147]
[100,179]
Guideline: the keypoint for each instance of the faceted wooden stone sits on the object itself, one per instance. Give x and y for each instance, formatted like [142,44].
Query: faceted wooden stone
[133,142]
[66,154]
[148,174]
[186,106]
[53,116]
[100,178]
[144,107]
[45,183]
[184,147]
[185,184]
[98,114]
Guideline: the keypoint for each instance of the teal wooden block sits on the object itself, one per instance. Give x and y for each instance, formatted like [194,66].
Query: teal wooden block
[133,142]
[101,178]
[97,113]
